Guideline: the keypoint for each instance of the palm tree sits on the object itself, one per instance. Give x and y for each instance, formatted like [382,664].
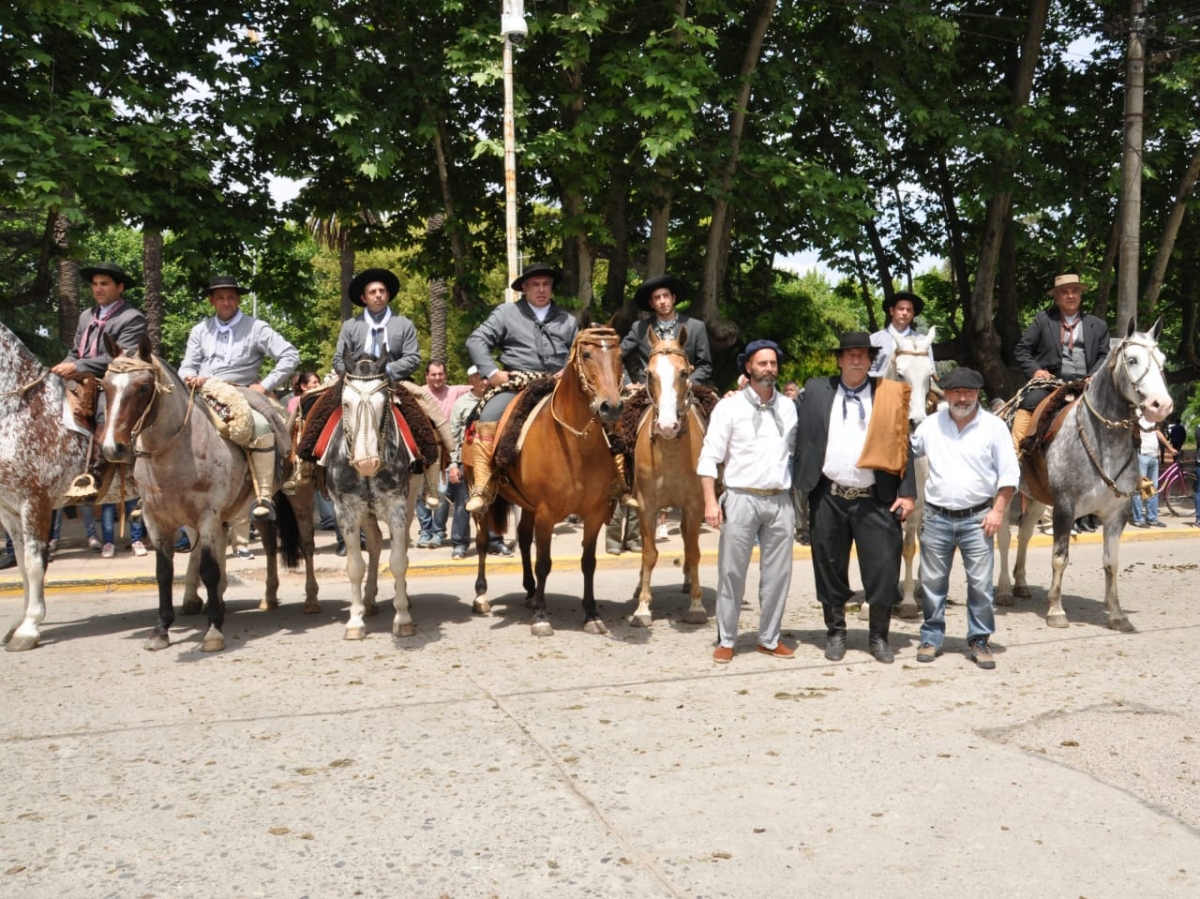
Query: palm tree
[333,233]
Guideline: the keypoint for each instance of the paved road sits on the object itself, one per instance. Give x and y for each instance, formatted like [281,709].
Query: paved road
[474,760]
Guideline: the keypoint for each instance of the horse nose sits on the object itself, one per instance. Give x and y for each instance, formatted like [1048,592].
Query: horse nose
[668,432]
[609,412]
[117,452]
[368,467]
[1157,408]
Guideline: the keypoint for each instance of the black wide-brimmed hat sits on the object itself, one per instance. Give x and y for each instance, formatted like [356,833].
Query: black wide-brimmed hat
[370,276]
[890,302]
[753,347]
[962,378]
[536,268]
[220,282]
[677,286]
[111,269]
[856,340]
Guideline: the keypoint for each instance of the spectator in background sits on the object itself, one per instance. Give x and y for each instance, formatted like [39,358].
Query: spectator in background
[305,381]
[433,521]
[456,485]
[1153,441]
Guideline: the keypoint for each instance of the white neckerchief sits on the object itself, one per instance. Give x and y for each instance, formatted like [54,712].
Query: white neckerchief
[759,406]
[540,312]
[378,337]
[225,333]
[666,328]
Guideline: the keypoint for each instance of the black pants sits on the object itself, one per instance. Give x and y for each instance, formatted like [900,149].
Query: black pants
[869,525]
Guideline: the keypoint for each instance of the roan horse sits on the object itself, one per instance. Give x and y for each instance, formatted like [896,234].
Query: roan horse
[368,475]
[565,468]
[188,475]
[667,450]
[1090,467]
[39,455]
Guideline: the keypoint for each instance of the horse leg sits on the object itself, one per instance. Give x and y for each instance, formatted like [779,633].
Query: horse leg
[356,627]
[164,570]
[270,544]
[192,604]
[525,542]
[592,622]
[303,507]
[374,551]
[908,603]
[690,528]
[402,623]
[213,576]
[1004,590]
[1033,512]
[1114,524]
[481,605]
[1064,517]
[31,553]
[535,590]
[649,517]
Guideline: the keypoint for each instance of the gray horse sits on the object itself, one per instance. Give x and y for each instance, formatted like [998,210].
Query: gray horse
[1090,467]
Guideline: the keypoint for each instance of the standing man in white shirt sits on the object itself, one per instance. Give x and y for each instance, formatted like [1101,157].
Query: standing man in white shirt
[231,346]
[973,473]
[753,433]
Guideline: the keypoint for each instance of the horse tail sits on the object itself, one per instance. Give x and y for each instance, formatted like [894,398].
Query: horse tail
[288,528]
[498,515]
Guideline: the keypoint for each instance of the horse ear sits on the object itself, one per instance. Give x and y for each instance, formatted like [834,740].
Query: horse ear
[1131,328]
[652,336]
[682,338]
[110,346]
[932,335]
[585,319]
[1156,331]
[145,350]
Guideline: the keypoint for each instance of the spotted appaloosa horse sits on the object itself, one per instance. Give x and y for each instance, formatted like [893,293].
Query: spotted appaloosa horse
[39,456]
[188,474]
[1090,467]
[668,446]
[368,475]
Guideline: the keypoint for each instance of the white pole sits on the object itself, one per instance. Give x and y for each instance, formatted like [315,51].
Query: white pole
[510,170]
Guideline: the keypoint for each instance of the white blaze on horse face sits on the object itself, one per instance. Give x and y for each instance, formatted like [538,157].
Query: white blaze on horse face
[667,421]
[914,367]
[119,395]
[361,417]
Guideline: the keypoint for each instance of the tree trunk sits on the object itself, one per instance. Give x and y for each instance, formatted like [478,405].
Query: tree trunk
[346,261]
[882,270]
[1170,231]
[152,260]
[722,334]
[960,274]
[68,280]
[1107,278]
[458,247]
[438,291]
[616,303]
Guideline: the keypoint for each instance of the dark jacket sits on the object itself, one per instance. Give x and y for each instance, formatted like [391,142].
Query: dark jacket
[1040,347]
[635,349]
[125,326]
[814,406]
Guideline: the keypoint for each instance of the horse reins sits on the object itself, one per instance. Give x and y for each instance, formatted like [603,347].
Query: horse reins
[688,399]
[351,429]
[126,364]
[591,335]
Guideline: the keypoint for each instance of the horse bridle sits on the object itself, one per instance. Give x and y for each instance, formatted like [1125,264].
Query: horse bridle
[688,399]
[126,364]
[589,336]
[351,429]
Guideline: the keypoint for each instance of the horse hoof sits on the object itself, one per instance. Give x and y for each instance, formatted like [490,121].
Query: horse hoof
[595,626]
[1005,600]
[1120,624]
[541,629]
[23,643]
[481,607]
[215,643]
[355,633]
[312,608]
[1059,620]
[908,610]
[698,617]
[1022,592]
[640,619]
[191,607]
[268,604]
[404,630]
[156,642]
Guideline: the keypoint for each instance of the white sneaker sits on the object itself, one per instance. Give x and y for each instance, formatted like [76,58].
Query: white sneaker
[94,544]
[108,552]
[661,533]
[138,547]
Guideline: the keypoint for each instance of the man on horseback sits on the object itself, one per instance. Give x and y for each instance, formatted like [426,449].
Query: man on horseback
[230,347]
[900,308]
[87,360]
[533,337]
[384,334]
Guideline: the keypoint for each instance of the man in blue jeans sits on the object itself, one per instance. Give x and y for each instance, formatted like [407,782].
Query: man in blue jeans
[973,473]
[1152,440]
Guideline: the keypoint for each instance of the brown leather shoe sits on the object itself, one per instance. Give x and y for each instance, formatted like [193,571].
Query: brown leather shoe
[723,655]
[779,652]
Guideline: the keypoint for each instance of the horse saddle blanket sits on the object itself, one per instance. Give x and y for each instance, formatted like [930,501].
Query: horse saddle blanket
[886,444]
[322,444]
[1049,416]
[230,411]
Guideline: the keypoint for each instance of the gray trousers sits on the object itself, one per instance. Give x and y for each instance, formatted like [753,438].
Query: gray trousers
[772,519]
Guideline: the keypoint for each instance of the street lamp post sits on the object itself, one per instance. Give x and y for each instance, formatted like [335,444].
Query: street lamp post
[512,26]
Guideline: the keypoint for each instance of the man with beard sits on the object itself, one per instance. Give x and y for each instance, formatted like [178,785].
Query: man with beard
[973,473]
[752,432]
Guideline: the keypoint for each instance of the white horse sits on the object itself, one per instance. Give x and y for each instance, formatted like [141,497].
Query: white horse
[1090,467]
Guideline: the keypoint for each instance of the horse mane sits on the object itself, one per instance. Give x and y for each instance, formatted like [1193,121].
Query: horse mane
[624,433]
[506,447]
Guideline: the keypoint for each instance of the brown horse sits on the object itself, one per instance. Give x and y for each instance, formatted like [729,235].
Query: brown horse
[668,447]
[565,468]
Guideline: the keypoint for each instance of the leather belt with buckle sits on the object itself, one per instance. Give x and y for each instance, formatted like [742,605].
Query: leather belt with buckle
[757,491]
[850,492]
[960,513]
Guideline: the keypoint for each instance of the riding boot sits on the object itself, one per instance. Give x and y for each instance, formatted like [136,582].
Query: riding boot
[1020,428]
[482,490]
[86,486]
[430,477]
[835,629]
[880,623]
[261,456]
[620,483]
[301,475]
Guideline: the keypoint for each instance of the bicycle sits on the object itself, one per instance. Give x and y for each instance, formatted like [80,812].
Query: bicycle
[1177,486]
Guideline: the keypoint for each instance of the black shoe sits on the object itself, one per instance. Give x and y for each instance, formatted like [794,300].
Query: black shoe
[835,648]
[881,651]
[500,549]
[341,550]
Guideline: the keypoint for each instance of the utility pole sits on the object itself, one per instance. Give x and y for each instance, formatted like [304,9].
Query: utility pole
[512,26]
[1131,171]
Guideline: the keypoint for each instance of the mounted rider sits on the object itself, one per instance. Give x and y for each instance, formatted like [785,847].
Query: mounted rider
[658,296]
[900,308]
[382,333]
[88,359]
[229,348]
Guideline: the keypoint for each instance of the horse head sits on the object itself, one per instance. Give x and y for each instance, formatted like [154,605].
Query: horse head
[667,371]
[596,361]
[911,365]
[1136,366]
[365,399]
[132,383]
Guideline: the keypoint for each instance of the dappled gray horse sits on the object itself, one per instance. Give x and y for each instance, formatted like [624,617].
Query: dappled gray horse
[39,455]
[1090,467]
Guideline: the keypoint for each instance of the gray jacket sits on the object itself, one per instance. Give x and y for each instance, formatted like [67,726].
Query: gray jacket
[404,353]
[125,326]
[253,341]
[524,343]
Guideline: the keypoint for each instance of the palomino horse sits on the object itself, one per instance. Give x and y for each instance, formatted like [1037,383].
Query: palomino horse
[367,473]
[39,455]
[910,364]
[565,468]
[188,475]
[1090,467]
[667,450]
